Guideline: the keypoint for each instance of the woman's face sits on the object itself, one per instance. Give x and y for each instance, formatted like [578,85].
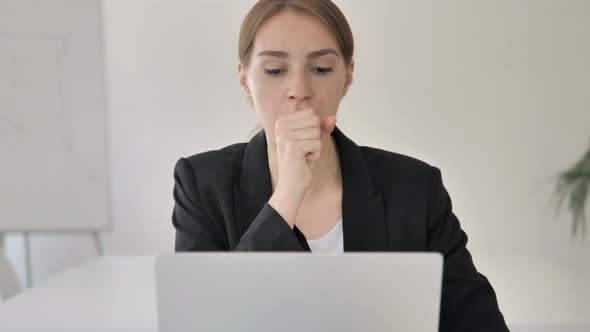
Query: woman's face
[295,63]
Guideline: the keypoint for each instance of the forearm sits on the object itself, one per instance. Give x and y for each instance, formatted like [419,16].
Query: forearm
[269,232]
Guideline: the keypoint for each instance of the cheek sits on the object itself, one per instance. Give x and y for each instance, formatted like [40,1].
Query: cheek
[266,90]
[267,97]
[328,97]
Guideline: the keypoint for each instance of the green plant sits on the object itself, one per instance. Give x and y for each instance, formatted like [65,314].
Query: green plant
[573,185]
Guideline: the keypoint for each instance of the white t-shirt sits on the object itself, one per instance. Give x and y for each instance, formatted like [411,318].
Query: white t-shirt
[331,243]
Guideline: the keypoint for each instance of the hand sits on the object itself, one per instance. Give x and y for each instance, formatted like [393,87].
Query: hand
[299,137]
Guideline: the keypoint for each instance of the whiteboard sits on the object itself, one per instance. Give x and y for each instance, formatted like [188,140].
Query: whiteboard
[53,126]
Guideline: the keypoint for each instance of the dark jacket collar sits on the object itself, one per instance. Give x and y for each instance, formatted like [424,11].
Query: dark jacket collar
[363,216]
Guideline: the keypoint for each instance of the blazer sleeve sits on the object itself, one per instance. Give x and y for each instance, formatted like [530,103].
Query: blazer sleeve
[196,230]
[468,300]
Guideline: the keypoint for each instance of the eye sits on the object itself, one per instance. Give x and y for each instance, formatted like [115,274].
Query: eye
[323,70]
[274,72]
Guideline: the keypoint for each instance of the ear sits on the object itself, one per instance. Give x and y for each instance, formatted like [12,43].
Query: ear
[349,76]
[243,79]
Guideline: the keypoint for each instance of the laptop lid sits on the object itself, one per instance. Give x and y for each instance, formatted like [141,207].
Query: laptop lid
[298,292]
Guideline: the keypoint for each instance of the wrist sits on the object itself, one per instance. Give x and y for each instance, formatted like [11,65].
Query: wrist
[286,201]
[294,190]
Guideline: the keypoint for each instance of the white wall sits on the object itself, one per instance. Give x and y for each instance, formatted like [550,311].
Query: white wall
[494,93]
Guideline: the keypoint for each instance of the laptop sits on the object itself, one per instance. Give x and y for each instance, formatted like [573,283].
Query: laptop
[272,291]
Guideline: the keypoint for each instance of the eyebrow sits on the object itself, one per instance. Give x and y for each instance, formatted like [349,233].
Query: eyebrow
[311,55]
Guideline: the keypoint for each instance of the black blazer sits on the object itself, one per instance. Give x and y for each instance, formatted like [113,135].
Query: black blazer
[390,202]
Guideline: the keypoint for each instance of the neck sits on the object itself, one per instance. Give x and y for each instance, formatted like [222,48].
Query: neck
[326,173]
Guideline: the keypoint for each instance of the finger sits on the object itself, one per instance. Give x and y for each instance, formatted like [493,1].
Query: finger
[328,124]
[305,134]
[312,157]
[306,147]
[285,125]
[309,121]
[300,114]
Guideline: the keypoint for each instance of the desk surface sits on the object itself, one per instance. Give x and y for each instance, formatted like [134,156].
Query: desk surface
[113,294]
[108,294]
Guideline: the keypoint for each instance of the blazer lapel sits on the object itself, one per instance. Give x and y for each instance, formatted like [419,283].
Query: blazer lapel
[254,188]
[363,215]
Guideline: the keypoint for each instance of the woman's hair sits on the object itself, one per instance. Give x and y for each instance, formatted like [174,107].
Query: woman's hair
[324,10]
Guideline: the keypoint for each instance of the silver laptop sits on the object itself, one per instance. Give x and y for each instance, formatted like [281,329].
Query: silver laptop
[271,292]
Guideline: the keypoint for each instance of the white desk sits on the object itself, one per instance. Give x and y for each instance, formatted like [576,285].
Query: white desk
[114,294]
[108,294]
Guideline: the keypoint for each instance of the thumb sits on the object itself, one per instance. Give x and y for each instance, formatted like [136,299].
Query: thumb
[329,124]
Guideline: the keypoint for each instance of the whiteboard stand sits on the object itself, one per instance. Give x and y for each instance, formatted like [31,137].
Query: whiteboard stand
[97,243]
[9,284]
[28,261]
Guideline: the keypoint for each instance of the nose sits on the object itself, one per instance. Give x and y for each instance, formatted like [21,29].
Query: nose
[300,91]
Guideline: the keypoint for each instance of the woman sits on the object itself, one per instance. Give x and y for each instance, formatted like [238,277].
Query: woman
[301,185]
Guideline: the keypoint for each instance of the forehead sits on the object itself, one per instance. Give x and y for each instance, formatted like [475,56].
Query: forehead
[293,32]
